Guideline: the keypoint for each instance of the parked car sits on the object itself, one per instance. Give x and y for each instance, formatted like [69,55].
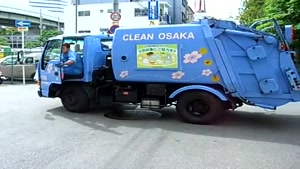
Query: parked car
[11,68]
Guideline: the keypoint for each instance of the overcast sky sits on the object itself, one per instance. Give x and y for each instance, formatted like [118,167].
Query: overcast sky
[217,8]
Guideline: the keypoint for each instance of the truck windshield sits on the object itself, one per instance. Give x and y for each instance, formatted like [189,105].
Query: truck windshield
[106,44]
[75,44]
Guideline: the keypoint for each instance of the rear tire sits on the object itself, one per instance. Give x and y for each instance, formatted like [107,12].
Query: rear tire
[75,99]
[199,107]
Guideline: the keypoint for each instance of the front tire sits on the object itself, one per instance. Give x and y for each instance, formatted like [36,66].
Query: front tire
[75,99]
[199,107]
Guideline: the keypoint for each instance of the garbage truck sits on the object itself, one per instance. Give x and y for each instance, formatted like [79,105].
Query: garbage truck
[202,68]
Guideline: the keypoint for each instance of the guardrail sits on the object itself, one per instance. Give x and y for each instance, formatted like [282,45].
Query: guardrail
[37,14]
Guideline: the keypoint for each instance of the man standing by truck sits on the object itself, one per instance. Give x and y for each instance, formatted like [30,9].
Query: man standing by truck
[72,62]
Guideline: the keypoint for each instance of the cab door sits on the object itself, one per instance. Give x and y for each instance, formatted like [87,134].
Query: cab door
[49,72]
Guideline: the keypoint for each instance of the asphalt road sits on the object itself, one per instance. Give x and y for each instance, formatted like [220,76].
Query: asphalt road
[38,133]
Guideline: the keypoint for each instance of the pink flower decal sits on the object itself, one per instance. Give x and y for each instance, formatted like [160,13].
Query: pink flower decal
[192,57]
[177,75]
[124,74]
[206,72]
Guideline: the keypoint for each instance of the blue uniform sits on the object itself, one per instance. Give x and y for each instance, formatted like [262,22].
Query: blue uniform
[77,67]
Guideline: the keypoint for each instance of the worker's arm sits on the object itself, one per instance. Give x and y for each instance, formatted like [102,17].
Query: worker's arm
[71,59]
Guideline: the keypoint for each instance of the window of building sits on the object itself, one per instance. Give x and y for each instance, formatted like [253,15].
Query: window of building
[140,12]
[111,11]
[84,13]
[101,11]
[84,31]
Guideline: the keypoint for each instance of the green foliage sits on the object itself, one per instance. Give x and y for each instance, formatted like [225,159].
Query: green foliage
[46,34]
[252,11]
[3,41]
[286,12]
[32,44]
[8,31]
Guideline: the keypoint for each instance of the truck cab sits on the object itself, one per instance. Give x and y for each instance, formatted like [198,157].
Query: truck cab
[92,49]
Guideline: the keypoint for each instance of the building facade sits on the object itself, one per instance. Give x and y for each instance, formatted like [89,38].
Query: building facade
[177,9]
[94,15]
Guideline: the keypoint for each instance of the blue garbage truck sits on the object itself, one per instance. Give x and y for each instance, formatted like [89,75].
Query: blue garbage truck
[203,68]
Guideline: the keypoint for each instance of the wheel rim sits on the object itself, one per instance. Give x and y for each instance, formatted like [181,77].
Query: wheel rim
[70,98]
[198,108]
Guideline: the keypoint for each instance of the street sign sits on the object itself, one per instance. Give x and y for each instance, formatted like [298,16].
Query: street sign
[21,23]
[153,10]
[22,29]
[113,28]
[115,16]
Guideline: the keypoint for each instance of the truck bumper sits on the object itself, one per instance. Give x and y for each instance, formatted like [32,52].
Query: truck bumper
[39,93]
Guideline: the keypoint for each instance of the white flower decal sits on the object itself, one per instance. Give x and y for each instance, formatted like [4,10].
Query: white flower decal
[206,72]
[124,74]
[192,57]
[177,75]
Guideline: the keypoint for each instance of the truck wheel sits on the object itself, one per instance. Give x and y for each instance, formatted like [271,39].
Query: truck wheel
[199,107]
[75,99]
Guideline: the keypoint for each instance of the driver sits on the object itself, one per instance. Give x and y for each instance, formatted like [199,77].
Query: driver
[72,60]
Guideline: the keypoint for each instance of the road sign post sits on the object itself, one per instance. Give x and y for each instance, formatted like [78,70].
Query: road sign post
[115,17]
[22,26]
[113,28]
[153,10]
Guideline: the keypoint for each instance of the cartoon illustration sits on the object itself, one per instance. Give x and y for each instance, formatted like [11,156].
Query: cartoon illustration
[157,56]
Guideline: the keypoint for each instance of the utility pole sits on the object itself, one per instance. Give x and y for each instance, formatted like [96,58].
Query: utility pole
[58,24]
[41,22]
[76,15]
[116,5]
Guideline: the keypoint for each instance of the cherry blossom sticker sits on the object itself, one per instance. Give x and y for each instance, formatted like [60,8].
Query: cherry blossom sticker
[123,74]
[192,57]
[177,75]
[206,72]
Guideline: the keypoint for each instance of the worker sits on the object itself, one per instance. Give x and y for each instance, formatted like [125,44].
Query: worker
[72,62]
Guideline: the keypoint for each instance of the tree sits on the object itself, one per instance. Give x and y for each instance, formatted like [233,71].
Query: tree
[286,12]
[252,10]
[46,34]
[31,44]
[8,31]
[3,41]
